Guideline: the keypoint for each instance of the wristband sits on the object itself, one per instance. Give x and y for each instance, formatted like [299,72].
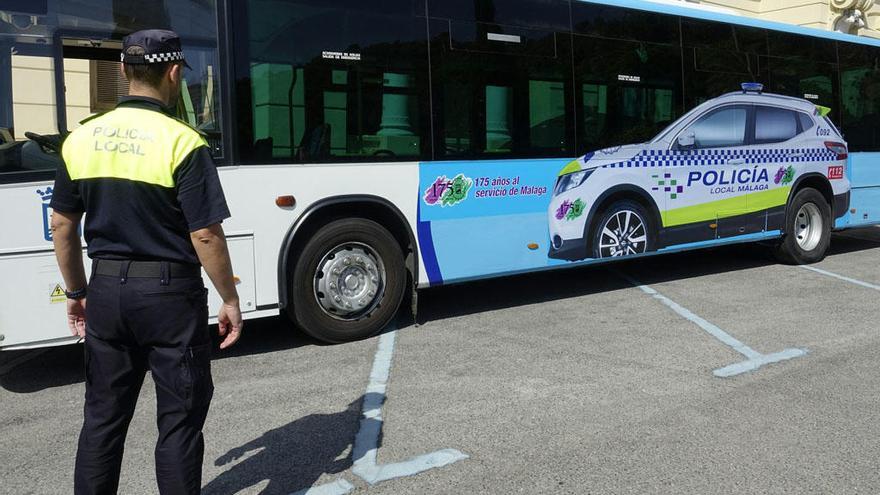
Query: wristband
[76,294]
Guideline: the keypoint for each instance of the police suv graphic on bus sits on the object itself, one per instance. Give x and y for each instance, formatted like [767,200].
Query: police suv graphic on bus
[726,168]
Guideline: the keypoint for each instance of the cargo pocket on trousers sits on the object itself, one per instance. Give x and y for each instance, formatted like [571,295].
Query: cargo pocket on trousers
[198,386]
[87,363]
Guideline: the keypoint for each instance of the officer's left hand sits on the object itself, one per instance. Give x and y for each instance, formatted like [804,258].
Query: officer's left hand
[76,317]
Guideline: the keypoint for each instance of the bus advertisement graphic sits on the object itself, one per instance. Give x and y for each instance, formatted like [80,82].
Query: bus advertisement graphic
[724,169]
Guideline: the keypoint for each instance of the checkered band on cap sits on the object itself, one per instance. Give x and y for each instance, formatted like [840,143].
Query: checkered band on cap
[156,58]
[152,59]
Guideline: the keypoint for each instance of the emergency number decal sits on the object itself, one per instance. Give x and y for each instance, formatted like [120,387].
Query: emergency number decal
[835,172]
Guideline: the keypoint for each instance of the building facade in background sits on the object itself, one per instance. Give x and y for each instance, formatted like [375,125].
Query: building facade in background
[861,17]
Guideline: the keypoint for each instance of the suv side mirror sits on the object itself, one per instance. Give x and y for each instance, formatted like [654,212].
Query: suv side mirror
[686,140]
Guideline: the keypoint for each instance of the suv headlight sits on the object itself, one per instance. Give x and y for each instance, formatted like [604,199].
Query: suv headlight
[570,181]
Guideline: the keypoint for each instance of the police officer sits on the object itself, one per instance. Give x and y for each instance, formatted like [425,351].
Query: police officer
[153,207]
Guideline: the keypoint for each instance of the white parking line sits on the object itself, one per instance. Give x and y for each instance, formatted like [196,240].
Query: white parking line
[841,277]
[754,359]
[366,443]
[338,487]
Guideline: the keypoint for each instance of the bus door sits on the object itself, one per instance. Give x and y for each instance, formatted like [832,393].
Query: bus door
[59,64]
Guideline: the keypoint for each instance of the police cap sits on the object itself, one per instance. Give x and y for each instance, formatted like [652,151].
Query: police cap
[156,46]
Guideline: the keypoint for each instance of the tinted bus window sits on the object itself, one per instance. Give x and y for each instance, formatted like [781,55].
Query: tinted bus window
[860,96]
[807,79]
[803,47]
[500,92]
[61,67]
[334,84]
[723,37]
[548,14]
[626,91]
[606,21]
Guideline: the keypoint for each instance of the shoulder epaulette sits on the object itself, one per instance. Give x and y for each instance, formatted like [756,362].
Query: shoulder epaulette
[93,117]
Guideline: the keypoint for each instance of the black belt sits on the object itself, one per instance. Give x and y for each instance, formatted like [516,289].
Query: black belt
[146,269]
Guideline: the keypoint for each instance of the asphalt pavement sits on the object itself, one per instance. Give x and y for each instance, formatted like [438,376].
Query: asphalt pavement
[589,380]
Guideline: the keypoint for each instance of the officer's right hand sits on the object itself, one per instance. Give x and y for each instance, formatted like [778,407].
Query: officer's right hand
[229,323]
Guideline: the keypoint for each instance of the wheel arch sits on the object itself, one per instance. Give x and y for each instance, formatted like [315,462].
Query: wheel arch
[621,192]
[816,181]
[326,210]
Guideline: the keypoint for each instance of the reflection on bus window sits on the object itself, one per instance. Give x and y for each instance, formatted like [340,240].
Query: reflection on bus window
[330,83]
[36,114]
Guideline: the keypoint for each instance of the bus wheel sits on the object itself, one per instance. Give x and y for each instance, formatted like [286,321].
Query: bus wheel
[348,282]
[624,228]
[807,229]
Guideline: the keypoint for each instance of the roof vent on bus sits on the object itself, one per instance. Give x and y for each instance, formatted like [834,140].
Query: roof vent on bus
[752,87]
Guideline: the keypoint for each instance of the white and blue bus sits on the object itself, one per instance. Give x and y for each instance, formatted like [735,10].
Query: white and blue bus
[372,148]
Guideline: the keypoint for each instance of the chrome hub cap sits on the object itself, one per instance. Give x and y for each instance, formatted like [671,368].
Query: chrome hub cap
[349,281]
[808,227]
[624,233]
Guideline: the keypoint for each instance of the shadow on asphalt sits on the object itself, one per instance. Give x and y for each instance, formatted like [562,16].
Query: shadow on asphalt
[534,288]
[60,366]
[63,365]
[292,457]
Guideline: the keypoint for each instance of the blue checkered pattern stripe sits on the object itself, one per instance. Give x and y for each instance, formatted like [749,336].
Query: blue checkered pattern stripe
[156,58]
[670,158]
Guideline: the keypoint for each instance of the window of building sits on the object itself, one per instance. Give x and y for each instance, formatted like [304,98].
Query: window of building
[334,82]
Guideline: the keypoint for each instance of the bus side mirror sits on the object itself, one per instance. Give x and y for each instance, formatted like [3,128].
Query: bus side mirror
[686,140]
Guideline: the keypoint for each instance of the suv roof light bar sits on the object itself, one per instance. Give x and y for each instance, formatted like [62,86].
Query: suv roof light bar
[752,87]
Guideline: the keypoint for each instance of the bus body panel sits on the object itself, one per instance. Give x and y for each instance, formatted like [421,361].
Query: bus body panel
[251,201]
[460,236]
[864,174]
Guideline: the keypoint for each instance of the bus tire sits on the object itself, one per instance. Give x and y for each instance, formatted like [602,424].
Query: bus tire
[348,282]
[807,229]
[639,235]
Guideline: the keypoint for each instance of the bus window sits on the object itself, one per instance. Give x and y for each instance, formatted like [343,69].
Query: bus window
[500,91]
[46,89]
[860,96]
[544,14]
[629,90]
[28,119]
[335,83]
[718,58]
[612,22]
[803,67]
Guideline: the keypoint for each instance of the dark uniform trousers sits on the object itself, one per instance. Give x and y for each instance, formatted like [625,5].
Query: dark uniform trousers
[134,324]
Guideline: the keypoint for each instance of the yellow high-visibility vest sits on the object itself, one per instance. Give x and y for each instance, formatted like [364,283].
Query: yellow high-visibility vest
[130,143]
